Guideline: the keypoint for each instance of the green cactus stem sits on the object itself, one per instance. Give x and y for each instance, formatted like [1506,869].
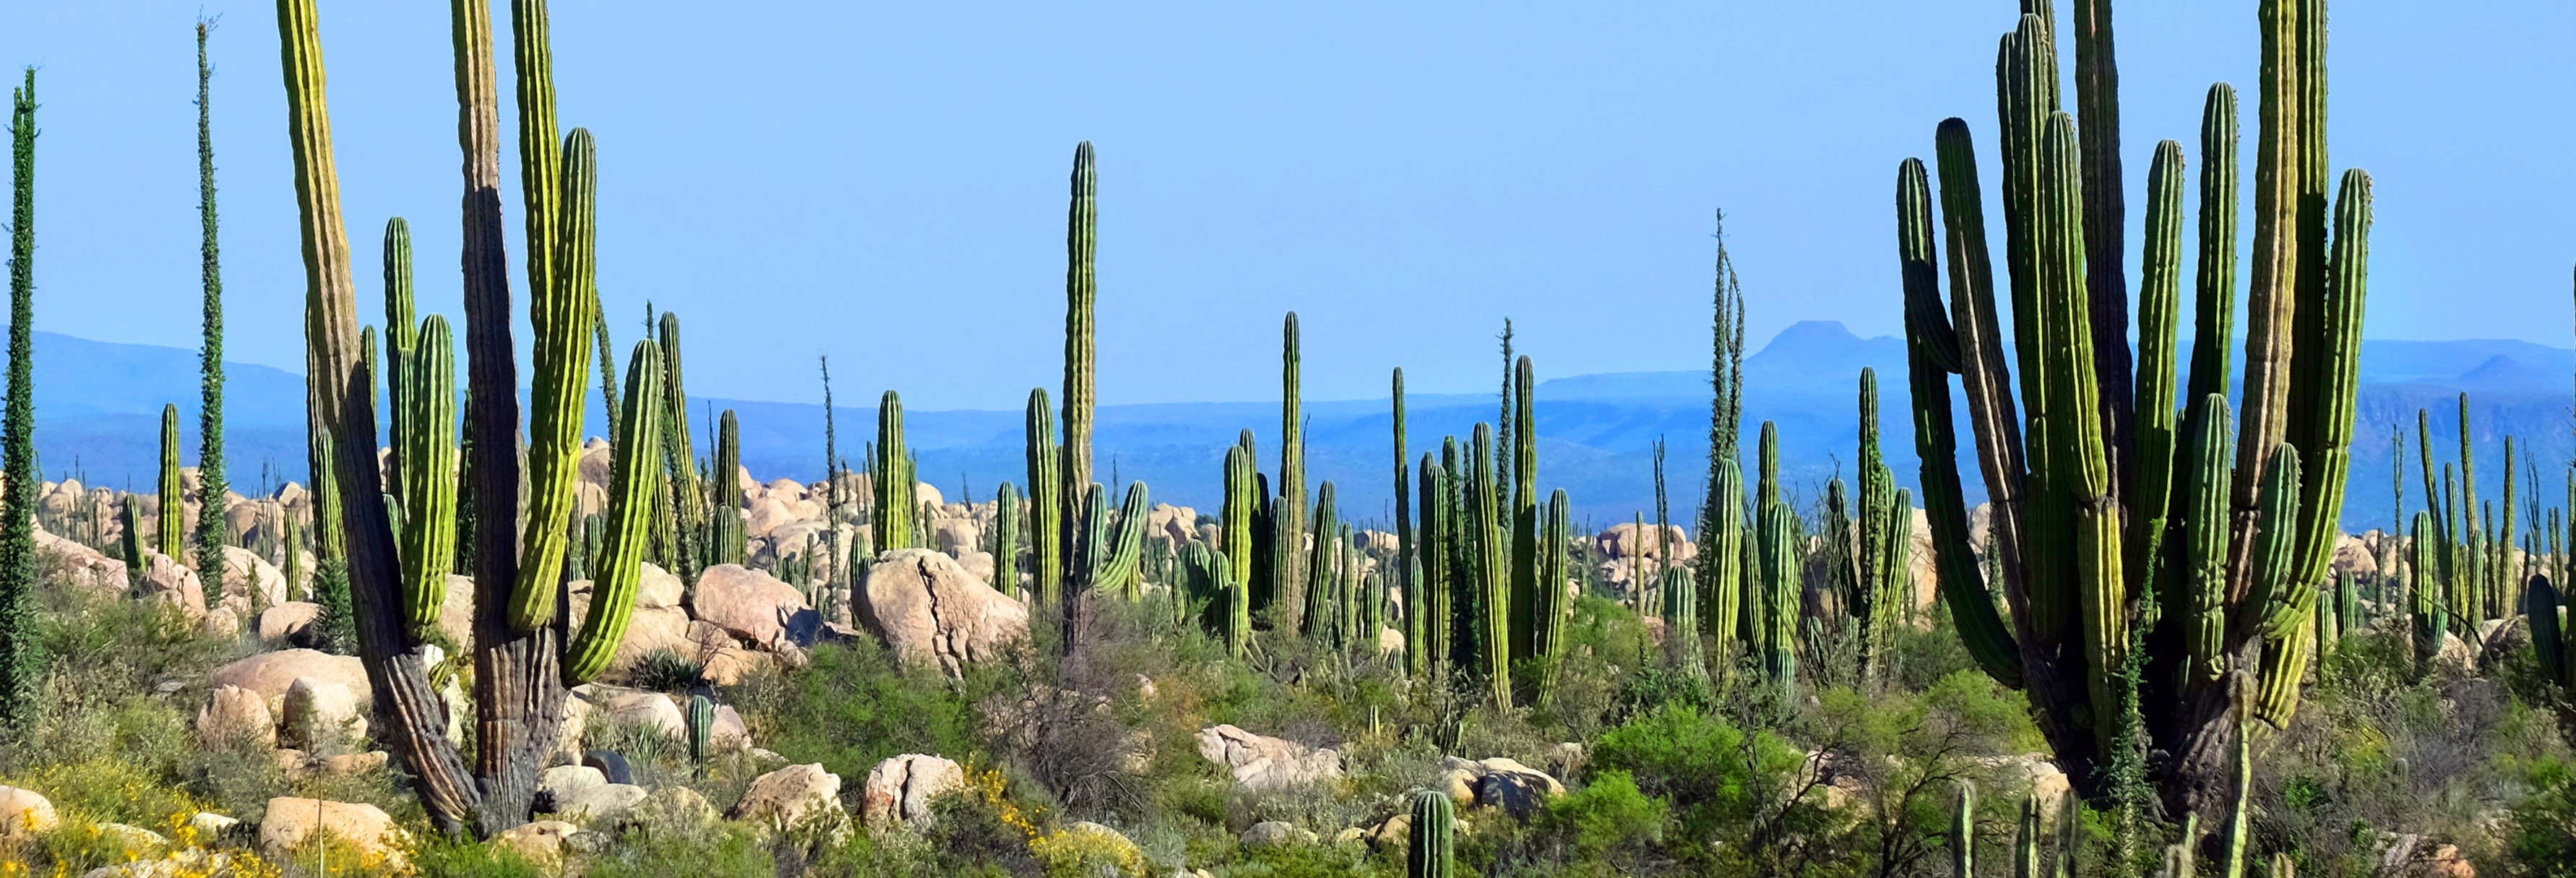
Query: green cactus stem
[892,479]
[173,533]
[1006,539]
[1428,849]
[634,481]
[1489,568]
[1046,507]
[560,310]
[427,399]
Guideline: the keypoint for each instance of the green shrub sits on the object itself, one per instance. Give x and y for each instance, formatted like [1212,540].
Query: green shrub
[855,706]
[665,670]
[1607,818]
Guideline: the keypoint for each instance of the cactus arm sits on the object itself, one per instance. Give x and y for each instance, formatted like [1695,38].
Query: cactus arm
[2159,316]
[561,366]
[894,524]
[635,480]
[401,337]
[2198,600]
[428,404]
[1438,530]
[2214,271]
[172,536]
[2328,403]
[1489,568]
[1524,520]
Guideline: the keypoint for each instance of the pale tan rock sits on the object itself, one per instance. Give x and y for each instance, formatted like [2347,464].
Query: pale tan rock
[234,715]
[271,673]
[927,608]
[291,822]
[287,621]
[540,842]
[750,605]
[320,715]
[899,790]
[791,796]
[25,812]
[1262,763]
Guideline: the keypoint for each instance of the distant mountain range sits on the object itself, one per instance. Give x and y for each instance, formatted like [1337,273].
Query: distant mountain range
[98,406]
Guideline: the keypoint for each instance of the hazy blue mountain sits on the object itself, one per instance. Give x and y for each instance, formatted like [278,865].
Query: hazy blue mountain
[98,406]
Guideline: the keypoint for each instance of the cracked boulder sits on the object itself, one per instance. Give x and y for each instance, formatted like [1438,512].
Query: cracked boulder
[927,608]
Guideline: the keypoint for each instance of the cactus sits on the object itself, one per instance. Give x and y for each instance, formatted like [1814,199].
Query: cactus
[1427,848]
[1522,441]
[1488,568]
[2082,520]
[1046,508]
[1290,528]
[400,340]
[634,482]
[1080,289]
[1436,539]
[1006,539]
[687,507]
[1235,525]
[172,536]
[1108,555]
[1777,620]
[1721,515]
[2431,602]
[1551,607]
[2549,644]
[702,730]
[426,397]
[1681,622]
[891,478]
[561,275]
[1963,832]
[729,537]
[1235,596]
[2026,839]
[20,653]
[213,532]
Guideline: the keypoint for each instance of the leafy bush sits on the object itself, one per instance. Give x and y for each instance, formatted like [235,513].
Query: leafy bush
[1607,818]
[855,706]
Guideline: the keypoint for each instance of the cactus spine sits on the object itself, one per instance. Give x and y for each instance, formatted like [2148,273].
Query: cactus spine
[1427,849]
[635,481]
[174,511]
[891,478]
[1046,509]
[213,531]
[2083,520]
[426,397]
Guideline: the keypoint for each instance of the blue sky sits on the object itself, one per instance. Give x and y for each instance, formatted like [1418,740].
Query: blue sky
[885,183]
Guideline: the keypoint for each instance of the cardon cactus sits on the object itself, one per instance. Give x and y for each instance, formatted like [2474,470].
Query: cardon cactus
[1081,290]
[728,535]
[1322,570]
[2549,645]
[1551,605]
[1434,541]
[895,524]
[685,513]
[1109,555]
[563,302]
[1427,848]
[1290,527]
[401,338]
[1006,539]
[174,511]
[2082,516]
[426,395]
[1488,567]
[1046,507]
[2430,617]
[1963,832]
[1681,622]
[1522,518]
[1242,495]
[702,730]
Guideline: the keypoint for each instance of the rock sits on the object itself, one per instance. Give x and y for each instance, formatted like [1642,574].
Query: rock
[456,610]
[753,606]
[1260,763]
[320,715]
[656,588]
[167,580]
[1390,642]
[2457,656]
[1392,834]
[1567,759]
[1275,833]
[1627,540]
[2047,781]
[1500,783]
[248,575]
[603,803]
[563,783]
[221,622]
[652,710]
[791,796]
[730,730]
[357,763]
[2447,862]
[234,715]
[928,495]
[540,842]
[928,608]
[290,760]
[287,622]
[25,812]
[610,765]
[271,673]
[899,790]
[82,567]
[290,822]
[568,740]
[978,564]
[955,536]
[768,512]
[210,825]
[649,630]
[134,839]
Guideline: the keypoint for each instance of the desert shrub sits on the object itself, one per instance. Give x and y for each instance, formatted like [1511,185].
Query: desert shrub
[449,857]
[719,851]
[665,670]
[1609,818]
[2540,832]
[855,706]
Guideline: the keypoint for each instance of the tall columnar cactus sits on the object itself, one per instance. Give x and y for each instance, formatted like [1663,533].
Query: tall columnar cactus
[213,531]
[1428,851]
[174,510]
[426,397]
[2430,616]
[1290,529]
[1006,539]
[20,655]
[1963,832]
[1489,567]
[2549,644]
[1109,554]
[702,730]
[562,309]
[1046,507]
[1681,622]
[1777,621]
[1551,606]
[687,499]
[130,543]
[728,531]
[1523,516]
[1081,244]
[2081,487]
[891,478]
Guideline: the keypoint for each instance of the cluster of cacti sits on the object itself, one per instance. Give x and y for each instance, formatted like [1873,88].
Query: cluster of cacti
[212,530]
[1724,551]
[894,512]
[1768,622]
[519,559]
[1108,552]
[1879,549]
[2095,499]
[2549,644]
